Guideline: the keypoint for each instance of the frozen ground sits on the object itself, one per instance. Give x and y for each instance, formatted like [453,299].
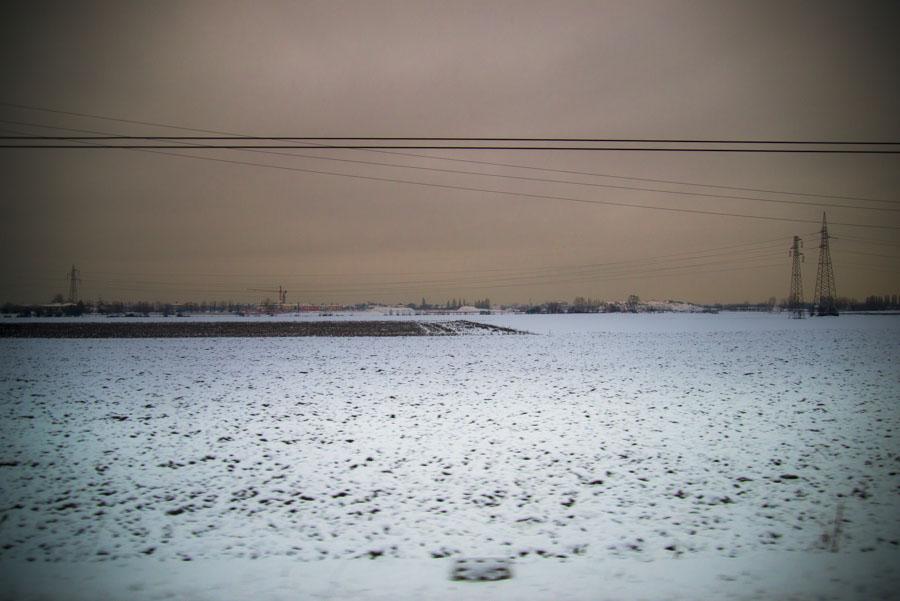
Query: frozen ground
[245,329]
[612,456]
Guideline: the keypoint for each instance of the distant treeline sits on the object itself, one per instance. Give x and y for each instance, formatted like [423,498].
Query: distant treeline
[873,303]
[101,307]
[450,305]
[60,308]
[633,304]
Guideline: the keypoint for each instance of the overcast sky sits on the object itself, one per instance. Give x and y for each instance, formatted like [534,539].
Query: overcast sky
[158,227]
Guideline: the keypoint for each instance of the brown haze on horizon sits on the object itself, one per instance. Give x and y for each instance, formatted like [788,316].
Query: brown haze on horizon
[155,227]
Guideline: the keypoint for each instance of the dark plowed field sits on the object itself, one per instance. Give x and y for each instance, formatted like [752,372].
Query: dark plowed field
[253,329]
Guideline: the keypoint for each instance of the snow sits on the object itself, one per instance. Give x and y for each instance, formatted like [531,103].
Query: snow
[610,456]
[468,310]
[769,575]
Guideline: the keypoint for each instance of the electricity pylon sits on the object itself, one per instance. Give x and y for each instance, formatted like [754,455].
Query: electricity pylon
[795,298]
[825,293]
[73,285]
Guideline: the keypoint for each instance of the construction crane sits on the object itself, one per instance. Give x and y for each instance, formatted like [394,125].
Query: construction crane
[281,292]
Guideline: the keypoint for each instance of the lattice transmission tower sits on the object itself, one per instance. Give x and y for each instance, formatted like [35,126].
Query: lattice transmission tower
[74,279]
[825,294]
[795,298]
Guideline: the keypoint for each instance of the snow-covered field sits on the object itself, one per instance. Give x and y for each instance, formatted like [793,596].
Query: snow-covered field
[612,456]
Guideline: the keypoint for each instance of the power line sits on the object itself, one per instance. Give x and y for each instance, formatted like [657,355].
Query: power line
[242,137]
[865,241]
[470,161]
[640,179]
[417,287]
[590,184]
[506,193]
[856,252]
[443,147]
[520,194]
[662,262]
[539,179]
[484,281]
[684,255]
[867,266]
[671,263]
